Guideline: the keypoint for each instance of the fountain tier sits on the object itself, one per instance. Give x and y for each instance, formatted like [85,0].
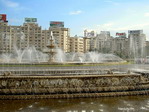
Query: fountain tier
[71,86]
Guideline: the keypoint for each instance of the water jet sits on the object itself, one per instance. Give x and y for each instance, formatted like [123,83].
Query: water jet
[38,82]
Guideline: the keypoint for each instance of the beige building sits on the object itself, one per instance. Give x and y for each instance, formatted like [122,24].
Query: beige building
[9,37]
[93,46]
[4,38]
[30,34]
[76,44]
[45,38]
[87,44]
[61,36]
[33,36]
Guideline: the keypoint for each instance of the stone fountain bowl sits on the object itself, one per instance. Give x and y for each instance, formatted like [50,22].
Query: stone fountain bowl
[71,86]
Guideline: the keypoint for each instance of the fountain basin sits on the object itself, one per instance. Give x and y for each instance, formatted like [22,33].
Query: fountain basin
[70,86]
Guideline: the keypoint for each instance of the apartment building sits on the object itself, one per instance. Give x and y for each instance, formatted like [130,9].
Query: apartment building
[31,34]
[76,44]
[87,44]
[120,46]
[20,37]
[138,37]
[61,36]
[137,42]
[104,42]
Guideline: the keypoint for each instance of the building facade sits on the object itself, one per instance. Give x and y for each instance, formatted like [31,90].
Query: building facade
[87,44]
[76,44]
[21,37]
[147,48]
[137,43]
[120,47]
[61,36]
[31,34]
[104,42]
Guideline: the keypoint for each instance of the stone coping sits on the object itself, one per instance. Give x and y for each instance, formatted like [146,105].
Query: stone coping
[79,95]
[70,76]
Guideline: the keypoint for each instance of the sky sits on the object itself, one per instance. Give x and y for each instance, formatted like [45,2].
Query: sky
[78,15]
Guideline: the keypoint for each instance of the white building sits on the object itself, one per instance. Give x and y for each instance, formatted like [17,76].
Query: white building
[137,42]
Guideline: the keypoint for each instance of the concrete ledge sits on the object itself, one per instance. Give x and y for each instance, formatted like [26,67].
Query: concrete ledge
[79,95]
[78,86]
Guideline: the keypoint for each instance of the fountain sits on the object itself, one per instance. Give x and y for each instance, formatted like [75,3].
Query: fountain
[46,80]
[137,52]
[52,52]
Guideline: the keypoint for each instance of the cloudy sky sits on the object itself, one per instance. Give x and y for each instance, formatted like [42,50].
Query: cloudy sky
[78,15]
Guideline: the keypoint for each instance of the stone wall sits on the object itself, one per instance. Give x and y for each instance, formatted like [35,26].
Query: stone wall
[66,86]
